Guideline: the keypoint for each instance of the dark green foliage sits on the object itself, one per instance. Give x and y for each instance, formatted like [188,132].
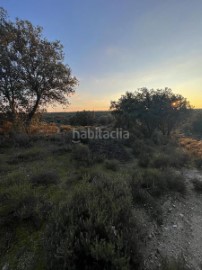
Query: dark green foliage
[94,229]
[144,160]
[84,118]
[158,182]
[45,178]
[196,125]
[198,163]
[142,197]
[170,156]
[175,182]
[27,156]
[150,184]
[150,110]
[109,149]
[7,236]
[105,119]
[161,161]
[30,57]
[112,165]
[21,140]
[15,208]
[81,153]
[197,185]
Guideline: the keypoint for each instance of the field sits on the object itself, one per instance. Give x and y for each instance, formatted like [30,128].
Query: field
[59,199]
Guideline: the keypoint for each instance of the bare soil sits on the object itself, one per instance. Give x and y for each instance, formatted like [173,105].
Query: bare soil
[181,232]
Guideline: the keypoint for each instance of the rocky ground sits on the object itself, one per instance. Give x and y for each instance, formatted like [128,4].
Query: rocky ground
[181,232]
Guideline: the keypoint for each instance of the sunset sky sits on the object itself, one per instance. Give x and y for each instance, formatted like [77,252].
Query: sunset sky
[114,46]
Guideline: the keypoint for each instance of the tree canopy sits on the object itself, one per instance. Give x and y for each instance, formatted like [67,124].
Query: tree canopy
[150,110]
[32,73]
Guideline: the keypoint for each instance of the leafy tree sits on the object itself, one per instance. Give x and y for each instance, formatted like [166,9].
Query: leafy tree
[150,110]
[32,73]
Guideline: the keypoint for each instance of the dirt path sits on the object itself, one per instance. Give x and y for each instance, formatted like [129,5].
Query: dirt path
[181,232]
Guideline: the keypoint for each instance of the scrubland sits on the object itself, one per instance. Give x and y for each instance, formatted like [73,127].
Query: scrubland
[93,205]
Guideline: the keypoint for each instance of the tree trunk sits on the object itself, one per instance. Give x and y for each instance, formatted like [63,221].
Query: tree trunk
[32,112]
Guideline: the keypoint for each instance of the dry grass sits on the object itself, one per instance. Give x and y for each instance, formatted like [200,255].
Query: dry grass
[192,145]
[65,128]
[44,129]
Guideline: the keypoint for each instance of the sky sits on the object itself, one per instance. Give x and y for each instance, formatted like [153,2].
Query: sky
[114,46]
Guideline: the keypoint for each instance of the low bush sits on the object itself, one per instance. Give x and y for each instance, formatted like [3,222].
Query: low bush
[17,204]
[196,125]
[160,161]
[198,163]
[175,181]
[140,147]
[21,140]
[144,198]
[105,119]
[82,154]
[158,182]
[27,156]
[174,264]
[45,179]
[176,156]
[94,229]
[197,184]
[112,165]
[13,178]
[83,118]
[109,149]
[144,160]
[60,150]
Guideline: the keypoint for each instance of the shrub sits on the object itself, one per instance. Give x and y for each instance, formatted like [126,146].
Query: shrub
[144,198]
[17,204]
[198,163]
[112,165]
[196,125]
[157,182]
[177,157]
[13,178]
[27,156]
[139,147]
[197,185]
[161,161]
[94,229]
[144,160]
[109,149]
[84,118]
[174,264]
[45,178]
[82,154]
[154,181]
[60,150]
[175,181]
[21,140]
[105,119]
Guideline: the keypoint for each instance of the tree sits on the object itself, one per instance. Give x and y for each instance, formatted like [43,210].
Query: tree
[32,73]
[150,110]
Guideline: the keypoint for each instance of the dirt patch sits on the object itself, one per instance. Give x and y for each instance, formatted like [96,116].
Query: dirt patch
[181,232]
